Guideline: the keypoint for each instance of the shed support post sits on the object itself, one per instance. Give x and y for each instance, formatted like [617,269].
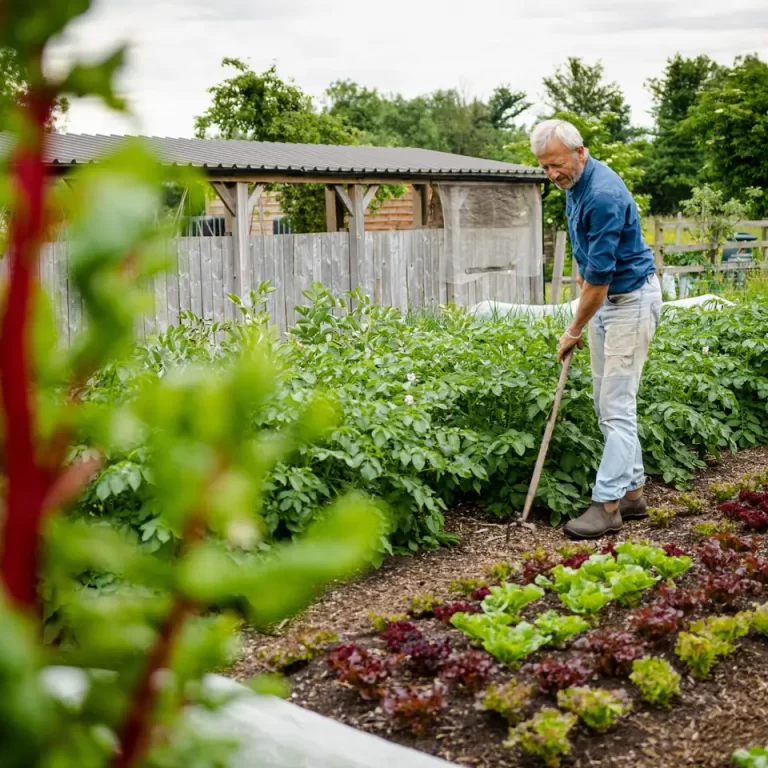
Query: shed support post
[420,205]
[356,202]
[332,223]
[240,202]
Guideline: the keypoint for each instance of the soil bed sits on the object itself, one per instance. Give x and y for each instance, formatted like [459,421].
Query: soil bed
[707,723]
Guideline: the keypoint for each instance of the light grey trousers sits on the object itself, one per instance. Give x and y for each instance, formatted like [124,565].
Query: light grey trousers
[620,334]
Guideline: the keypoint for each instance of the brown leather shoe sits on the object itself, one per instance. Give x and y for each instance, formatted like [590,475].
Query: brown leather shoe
[636,509]
[594,523]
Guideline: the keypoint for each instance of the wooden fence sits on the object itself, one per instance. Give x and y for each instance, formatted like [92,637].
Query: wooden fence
[403,269]
[679,225]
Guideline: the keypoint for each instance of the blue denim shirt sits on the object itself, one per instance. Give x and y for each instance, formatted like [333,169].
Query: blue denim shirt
[606,235]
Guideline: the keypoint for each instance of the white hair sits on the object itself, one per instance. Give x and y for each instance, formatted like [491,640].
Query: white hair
[565,132]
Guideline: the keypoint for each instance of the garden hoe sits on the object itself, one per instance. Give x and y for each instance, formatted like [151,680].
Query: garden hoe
[534,486]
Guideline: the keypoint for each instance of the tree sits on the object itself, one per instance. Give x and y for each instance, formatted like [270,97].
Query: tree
[12,84]
[263,107]
[673,162]
[729,124]
[716,216]
[578,88]
[444,120]
[14,87]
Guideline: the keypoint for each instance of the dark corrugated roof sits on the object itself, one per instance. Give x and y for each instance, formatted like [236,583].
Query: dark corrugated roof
[222,157]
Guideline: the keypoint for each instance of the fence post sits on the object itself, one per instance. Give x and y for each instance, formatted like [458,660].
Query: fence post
[575,288]
[658,244]
[764,236]
[557,267]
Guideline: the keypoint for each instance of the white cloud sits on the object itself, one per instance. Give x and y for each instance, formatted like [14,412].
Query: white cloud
[407,46]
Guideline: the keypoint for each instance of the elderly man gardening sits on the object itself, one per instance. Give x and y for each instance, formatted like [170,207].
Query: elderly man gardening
[621,303]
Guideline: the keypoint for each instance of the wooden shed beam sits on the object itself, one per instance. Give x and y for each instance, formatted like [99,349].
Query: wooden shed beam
[226,194]
[420,205]
[372,190]
[345,198]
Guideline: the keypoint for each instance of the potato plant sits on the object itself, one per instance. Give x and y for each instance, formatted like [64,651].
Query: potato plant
[437,409]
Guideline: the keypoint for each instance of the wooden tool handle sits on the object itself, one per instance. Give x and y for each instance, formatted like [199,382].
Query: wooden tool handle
[534,486]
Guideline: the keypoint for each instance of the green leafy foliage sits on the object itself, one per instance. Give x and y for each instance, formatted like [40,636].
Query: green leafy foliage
[587,597]
[691,503]
[578,88]
[14,85]
[511,700]
[724,491]
[673,161]
[647,556]
[480,626]
[628,584]
[598,709]
[755,757]
[669,567]
[444,120]
[657,680]
[263,107]
[560,628]
[708,530]
[380,623]
[466,586]
[158,565]
[511,645]
[511,599]
[306,647]
[602,578]
[544,735]
[728,122]
[423,604]
[701,652]
[715,216]
[474,433]
[760,619]
[501,571]
[661,517]
[727,628]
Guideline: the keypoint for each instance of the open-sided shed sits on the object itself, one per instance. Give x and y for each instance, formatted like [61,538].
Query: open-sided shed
[480,238]
[491,211]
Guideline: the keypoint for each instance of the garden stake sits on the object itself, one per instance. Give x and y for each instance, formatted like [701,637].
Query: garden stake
[534,486]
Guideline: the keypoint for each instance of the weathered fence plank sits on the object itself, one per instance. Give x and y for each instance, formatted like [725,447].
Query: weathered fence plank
[206,276]
[218,246]
[405,269]
[172,283]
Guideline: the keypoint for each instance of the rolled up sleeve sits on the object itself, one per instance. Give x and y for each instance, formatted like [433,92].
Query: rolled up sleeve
[605,222]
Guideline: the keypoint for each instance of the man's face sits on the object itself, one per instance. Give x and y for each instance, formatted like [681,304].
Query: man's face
[563,166]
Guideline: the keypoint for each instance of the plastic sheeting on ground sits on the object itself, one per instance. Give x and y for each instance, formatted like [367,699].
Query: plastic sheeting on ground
[487,310]
[272,733]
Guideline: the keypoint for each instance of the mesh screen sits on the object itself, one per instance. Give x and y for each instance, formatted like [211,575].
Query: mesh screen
[491,229]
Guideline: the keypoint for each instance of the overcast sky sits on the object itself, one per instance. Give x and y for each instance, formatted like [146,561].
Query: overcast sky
[406,46]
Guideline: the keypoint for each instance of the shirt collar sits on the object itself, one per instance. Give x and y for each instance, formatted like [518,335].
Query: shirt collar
[578,188]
